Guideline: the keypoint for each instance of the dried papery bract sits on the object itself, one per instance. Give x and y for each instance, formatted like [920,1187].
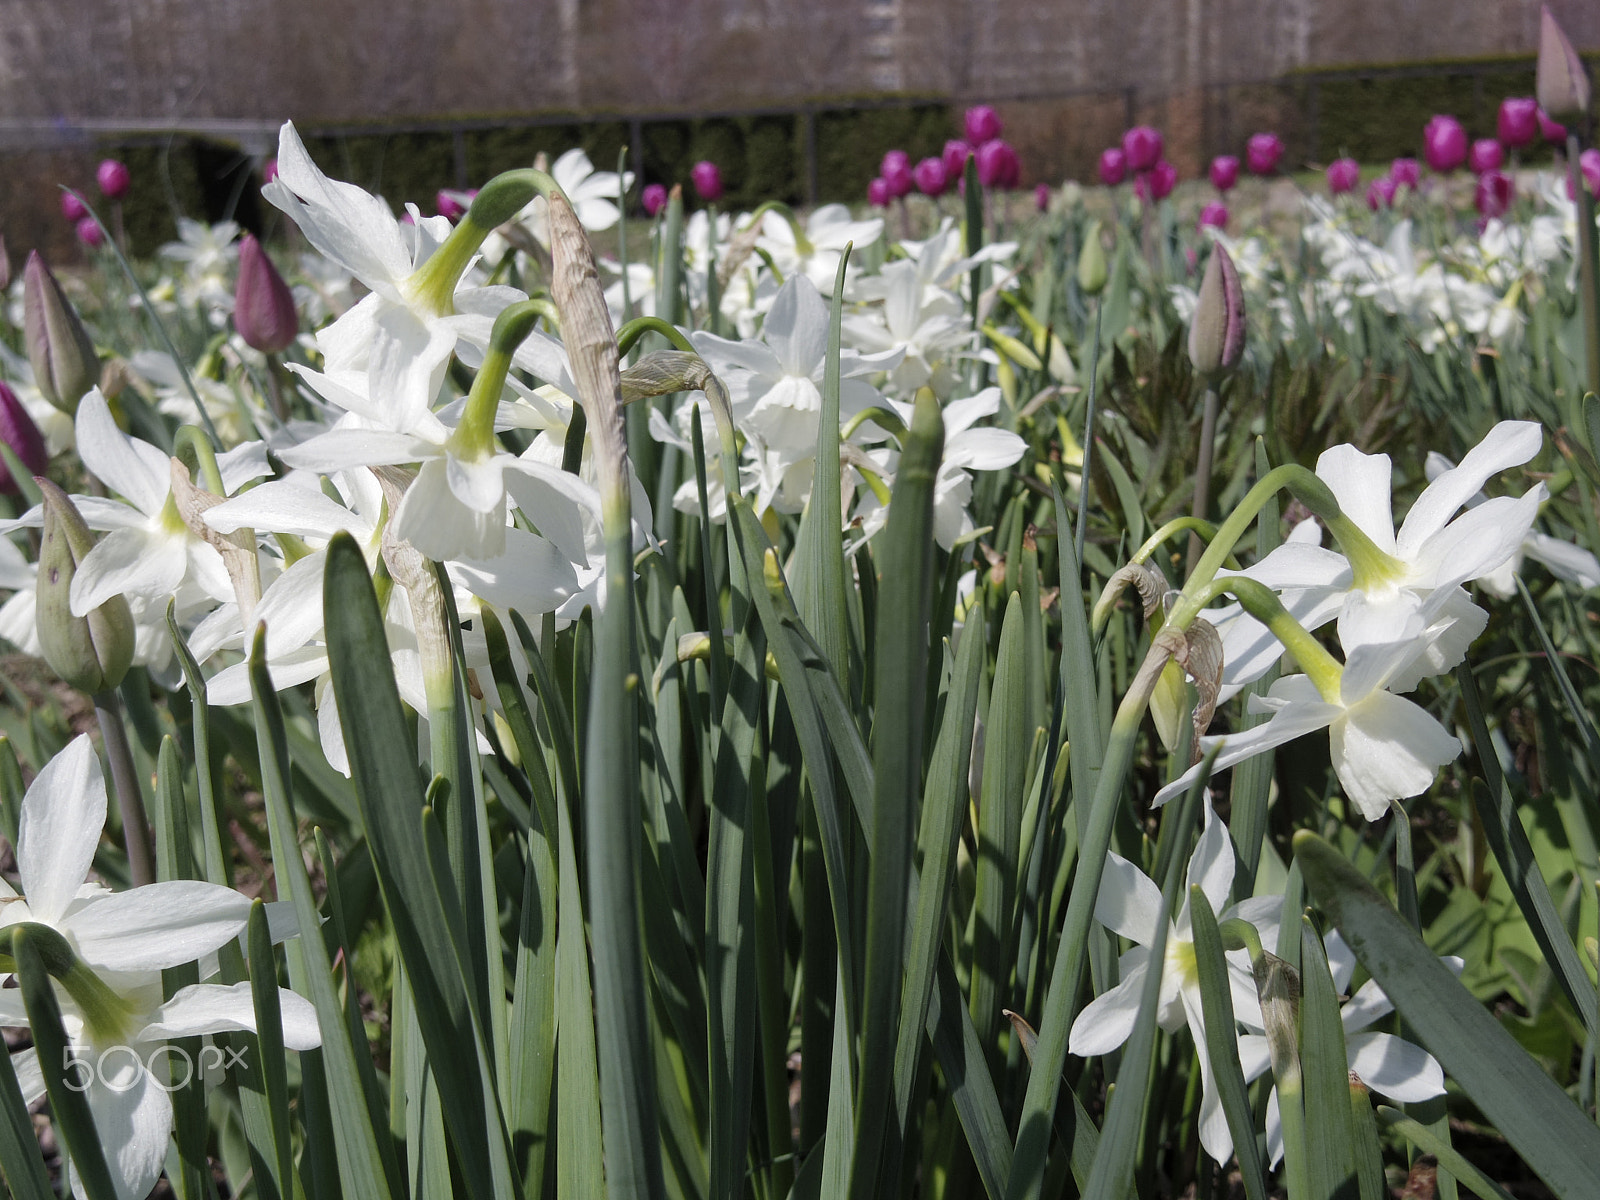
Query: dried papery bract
[1561,81]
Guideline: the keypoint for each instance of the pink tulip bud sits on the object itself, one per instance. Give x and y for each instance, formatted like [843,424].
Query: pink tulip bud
[1494,194]
[1142,146]
[1156,183]
[73,208]
[707,180]
[998,165]
[114,179]
[955,158]
[1224,172]
[1216,332]
[895,170]
[1262,153]
[1518,121]
[1343,175]
[1214,215]
[445,202]
[263,306]
[19,432]
[1041,197]
[878,193]
[1552,130]
[1444,143]
[1405,172]
[269,170]
[982,124]
[931,177]
[1380,192]
[1589,166]
[89,232]
[654,198]
[1113,166]
[1486,155]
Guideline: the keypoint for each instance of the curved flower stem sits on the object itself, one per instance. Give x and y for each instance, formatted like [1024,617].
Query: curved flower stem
[125,778]
[1205,529]
[635,329]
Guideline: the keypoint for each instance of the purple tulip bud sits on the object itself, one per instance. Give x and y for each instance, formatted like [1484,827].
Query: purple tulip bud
[263,306]
[1552,130]
[1343,175]
[1380,192]
[1486,155]
[894,160]
[1561,80]
[654,198]
[89,234]
[1494,194]
[1518,122]
[982,124]
[447,206]
[1262,153]
[1214,216]
[1589,167]
[114,179]
[1444,143]
[895,170]
[997,166]
[1113,166]
[19,432]
[1216,333]
[931,177]
[1224,172]
[1405,172]
[707,180]
[878,193]
[955,158]
[1142,146]
[72,207]
[60,350]
[1041,197]
[1156,183]
[269,170]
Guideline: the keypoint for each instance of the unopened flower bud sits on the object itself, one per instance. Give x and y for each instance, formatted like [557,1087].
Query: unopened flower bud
[114,179]
[998,165]
[89,232]
[63,357]
[1561,79]
[1092,262]
[1552,130]
[895,170]
[1494,194]
[1213,216]
[955,156]
[18,431]
[707,180]
[1380,192]
[654,198]
[1343,175]
[73,208]
[1041,197]
[982,124]
[1224,172]
[1156,183]
[92,652]
[931,177]
[1262,153]
[1216,334]
[447,206]
[263,305]
[1517,123]
[1142,146]
[1485,155]
[1113,166]
[879,194]
[1444,143]
[1405,172]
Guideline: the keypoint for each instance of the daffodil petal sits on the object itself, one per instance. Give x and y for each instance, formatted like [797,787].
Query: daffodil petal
[63,812]
[1107,1020]
[213,1008]
[157,926]
[1394,1067]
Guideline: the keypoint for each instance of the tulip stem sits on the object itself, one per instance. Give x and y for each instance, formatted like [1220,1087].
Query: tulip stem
[125,778]
[1588,275]
[1088,439]
[1202,472]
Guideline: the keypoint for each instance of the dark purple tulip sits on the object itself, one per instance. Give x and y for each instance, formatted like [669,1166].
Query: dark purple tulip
[998,165]
[955,158]
[1486,155]
[18,431]
[1224,172]
[654,198]
[89,232]
[707,180]
[1494,194]
[1113,166]
[1156,183]
[1380,192]
[1444,143]
[1405,172]
[931,177]
[895,170]
[73,208]
[894,160]
[1518,122]
[1041,197]
[1142,145]
[1214,215]
[878,194]
[1262,153]
[1343,175]
[114,179]
[982,124]
[1551,129]
[447,205]
[263,305]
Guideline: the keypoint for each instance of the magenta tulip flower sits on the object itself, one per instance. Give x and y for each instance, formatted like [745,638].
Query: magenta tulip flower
[89,232]
[445,202]
[1589,166]
[1262,153]
[113,178]
[1486,155]
[1214,215]
[1041,197]
[73,208]
[982,124]
[895,170]
[1224,172]
[707,180]
[1552,130]
[1380,192]
[1343,175]
[18,431]
[1142,145]
[1518,122]
[263,306]
[1494,194]
[1113,166]
[931,177]
[998,165]
[269,170]
[878,194]
[1444,143]
[1156,183]
[1406,172]
[654,198]
[955,157]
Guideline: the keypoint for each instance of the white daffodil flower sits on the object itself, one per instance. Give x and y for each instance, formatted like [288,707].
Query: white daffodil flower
[124,940]
[925,324]
[17,615]
[1129,904]
[208,254]
[1386,1064]
[816,255]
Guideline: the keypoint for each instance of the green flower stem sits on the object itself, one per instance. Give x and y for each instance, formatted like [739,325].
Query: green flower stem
[433,284]
[1262,603]
[802,244]
[104,1012]
[1202,470]
[193,449]
[125,780]
[1205,529]
[628,336]
[886,420]
[473,439]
